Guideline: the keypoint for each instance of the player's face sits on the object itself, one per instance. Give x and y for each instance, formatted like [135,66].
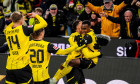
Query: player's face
[78,29]
[85,29]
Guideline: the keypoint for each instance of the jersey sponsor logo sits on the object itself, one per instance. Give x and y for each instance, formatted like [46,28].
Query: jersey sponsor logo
[54,47]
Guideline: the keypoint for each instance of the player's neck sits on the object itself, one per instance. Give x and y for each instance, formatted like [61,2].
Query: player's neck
[16,24]
[38,38]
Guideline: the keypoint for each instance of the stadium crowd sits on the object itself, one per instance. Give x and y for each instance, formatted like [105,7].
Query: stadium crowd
[61,14]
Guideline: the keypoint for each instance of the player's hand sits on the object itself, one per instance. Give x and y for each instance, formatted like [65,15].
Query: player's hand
[78,39]
[103,14]
[87,39]
[31,15]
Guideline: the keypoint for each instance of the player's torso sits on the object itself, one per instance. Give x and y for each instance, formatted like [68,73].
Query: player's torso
[74,54]
[39,59]
[18,46]
[91,45]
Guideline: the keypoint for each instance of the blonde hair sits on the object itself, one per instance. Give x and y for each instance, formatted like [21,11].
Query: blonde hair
[16,16]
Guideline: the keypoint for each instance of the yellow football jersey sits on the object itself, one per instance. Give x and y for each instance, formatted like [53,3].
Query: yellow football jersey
[18,46]
[39,59]
[91,45]
[74,54]
[18,42]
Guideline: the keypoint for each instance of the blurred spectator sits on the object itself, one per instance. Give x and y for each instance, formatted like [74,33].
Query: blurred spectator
[129,23]
[44,5]
[95,23]
[133,48]
[86,15]
[24,6]
[138,5]
[108,28]
[34,21]
[56,21]
[94,15]
[36,3]
[2,20]
[7,18]
[1,2]
[10,5]
[71,16]
[130,5]
[79,8]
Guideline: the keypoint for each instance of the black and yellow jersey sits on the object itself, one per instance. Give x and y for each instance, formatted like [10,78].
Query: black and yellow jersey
[74,54]
[18,42]
[90,48]
[39,59]
[40,52]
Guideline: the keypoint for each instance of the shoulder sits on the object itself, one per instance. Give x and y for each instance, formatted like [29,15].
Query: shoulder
[91,33]
[74,34]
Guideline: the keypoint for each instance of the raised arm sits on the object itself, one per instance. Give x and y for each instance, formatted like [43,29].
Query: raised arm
[53,49]
[42,22]
[113,19]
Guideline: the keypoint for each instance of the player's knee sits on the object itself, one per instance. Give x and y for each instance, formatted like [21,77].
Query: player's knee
[74,63]
[71,63]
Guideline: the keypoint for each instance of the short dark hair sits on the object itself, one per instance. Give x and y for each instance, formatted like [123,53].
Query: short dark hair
[86,22]
[16,16]
[37,33]
[74,25]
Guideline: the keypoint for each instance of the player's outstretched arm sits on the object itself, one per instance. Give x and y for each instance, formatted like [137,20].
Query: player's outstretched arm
[66,51]
[42,22]
[89,55]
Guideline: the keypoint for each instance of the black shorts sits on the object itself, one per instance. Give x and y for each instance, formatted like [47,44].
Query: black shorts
[76,76]
[86,64]
[43,82]
[17,76]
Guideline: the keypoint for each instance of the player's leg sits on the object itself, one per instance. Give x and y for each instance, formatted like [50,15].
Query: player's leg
[24,75]
[10,77]
[74,77]
[86,64]
[82,78]
[74,62]
[62,71]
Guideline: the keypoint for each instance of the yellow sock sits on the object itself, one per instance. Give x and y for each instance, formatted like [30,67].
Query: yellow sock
[61,73]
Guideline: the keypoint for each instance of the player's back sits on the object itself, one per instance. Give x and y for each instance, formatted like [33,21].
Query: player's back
[39,59]
[18,46]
